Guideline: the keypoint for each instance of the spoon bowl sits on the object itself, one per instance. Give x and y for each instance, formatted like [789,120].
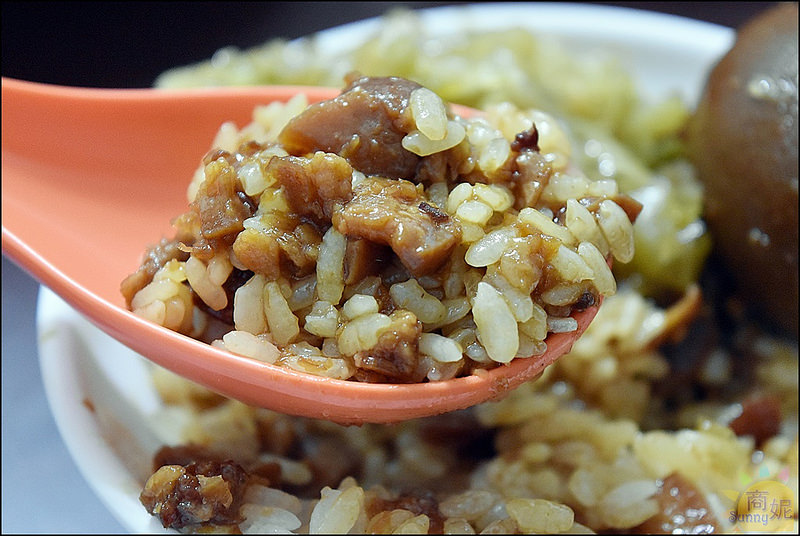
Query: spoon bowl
[93,176]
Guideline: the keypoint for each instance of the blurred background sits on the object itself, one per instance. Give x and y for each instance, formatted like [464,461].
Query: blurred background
[128,44]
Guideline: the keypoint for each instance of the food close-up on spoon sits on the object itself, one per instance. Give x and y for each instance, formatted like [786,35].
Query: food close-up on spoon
[469,268]
[109,158]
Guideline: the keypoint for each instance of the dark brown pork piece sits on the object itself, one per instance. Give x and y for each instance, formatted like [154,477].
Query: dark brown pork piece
[682,510]
[395,357]
[394,213]
[220,206]
[196,494]
[284,244]
[365,124]
[363,259]
[760,418]
[155,258]
[314,186]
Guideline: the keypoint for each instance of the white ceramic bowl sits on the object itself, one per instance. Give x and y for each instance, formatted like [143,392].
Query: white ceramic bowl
[100,392]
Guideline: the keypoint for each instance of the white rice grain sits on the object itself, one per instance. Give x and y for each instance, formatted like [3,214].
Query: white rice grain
[437,194]
[536,326]
[480,133]
[303,357]
[546,225]
[570,265]
[603,278]
[521,303]
[266,496]
[323,320]
[359,305]
[553,140]
[274,116]
[253,179]
[494,155]
[248,306]
[457,308]
[461,193]
[603,188]
[629,504]
[157,290]
[411,296]
[583,225]
[457,526]
[529,347]
[362,333]
[586,486]
[283,324]
[477,352]
[469,505]
[429,113]
[388,521]
[330,266]
[497,196]
[490,248]
[562,294]
[617,229]
[267,520]
[302,294]
[440,348]
[497,327]
[416,525]
[155,311]
[476,212]
[419,144]
[249,345]
[561,324]
[197,273]
[562,187]
[175,310]
[219,268]
[337,511]
[540,515]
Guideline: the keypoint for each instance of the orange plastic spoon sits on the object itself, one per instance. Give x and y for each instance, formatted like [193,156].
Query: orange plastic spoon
[93,176]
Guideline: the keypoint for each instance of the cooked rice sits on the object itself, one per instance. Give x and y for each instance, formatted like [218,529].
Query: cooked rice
[632,431]
[515,253]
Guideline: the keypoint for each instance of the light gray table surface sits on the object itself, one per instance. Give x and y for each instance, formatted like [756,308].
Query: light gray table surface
[42,490]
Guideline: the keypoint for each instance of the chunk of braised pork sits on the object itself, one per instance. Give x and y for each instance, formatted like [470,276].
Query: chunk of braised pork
[760,418]
[314,186]
[396,355]
[288,233]
[682,510]
[365,124]
[220,206]
[282,243]
[199,493]
[394,213]
[155,258]
[362,259]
